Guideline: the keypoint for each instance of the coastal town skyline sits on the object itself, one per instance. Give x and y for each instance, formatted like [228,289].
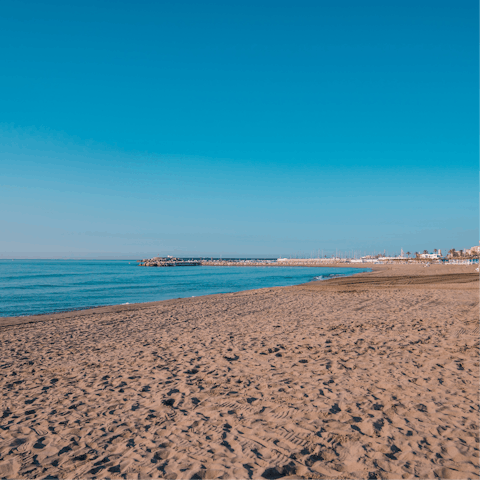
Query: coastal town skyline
[318,253]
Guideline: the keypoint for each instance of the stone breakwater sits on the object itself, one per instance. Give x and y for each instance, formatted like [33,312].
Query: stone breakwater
[177,262]
[168,262]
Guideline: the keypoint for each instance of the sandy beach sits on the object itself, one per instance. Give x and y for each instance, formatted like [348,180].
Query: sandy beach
[370,376]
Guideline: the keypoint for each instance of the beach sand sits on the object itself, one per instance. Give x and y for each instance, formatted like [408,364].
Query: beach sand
[371,376]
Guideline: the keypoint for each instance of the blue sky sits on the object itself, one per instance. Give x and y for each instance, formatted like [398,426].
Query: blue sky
[254,128]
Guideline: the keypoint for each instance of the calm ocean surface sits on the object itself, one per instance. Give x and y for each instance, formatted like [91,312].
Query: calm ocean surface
[29,287]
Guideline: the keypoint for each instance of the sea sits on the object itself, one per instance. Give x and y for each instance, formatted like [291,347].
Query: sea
[31,287]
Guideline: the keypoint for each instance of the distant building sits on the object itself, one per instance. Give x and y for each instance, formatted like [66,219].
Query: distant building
[369,259]
[431,256]
[473,251]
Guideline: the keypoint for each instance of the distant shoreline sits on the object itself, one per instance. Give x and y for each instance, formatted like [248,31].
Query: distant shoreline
[115,308]
[374,269]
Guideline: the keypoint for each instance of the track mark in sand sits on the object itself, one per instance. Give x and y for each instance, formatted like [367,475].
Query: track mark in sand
[295,439]
[464,332]
[209,430]
[281,413]
[178,441]
[279,456]
[233,407]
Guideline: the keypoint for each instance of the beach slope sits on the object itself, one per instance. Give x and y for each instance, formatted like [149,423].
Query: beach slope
[371,376]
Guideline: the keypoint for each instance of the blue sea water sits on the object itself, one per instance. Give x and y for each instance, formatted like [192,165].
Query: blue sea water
[30,287]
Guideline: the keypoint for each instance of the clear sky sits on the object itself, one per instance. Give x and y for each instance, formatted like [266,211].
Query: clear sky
[237,128]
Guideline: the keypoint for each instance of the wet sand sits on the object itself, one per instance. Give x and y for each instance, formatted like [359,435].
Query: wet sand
[370,376]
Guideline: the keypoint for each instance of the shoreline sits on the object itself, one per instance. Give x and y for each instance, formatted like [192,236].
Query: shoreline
[5,321]
[378,270]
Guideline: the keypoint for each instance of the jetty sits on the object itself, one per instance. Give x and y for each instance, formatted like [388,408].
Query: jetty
[181,262]
[168,262]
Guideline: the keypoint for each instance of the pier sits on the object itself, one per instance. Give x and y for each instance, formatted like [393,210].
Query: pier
[180,262]
[168,262]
